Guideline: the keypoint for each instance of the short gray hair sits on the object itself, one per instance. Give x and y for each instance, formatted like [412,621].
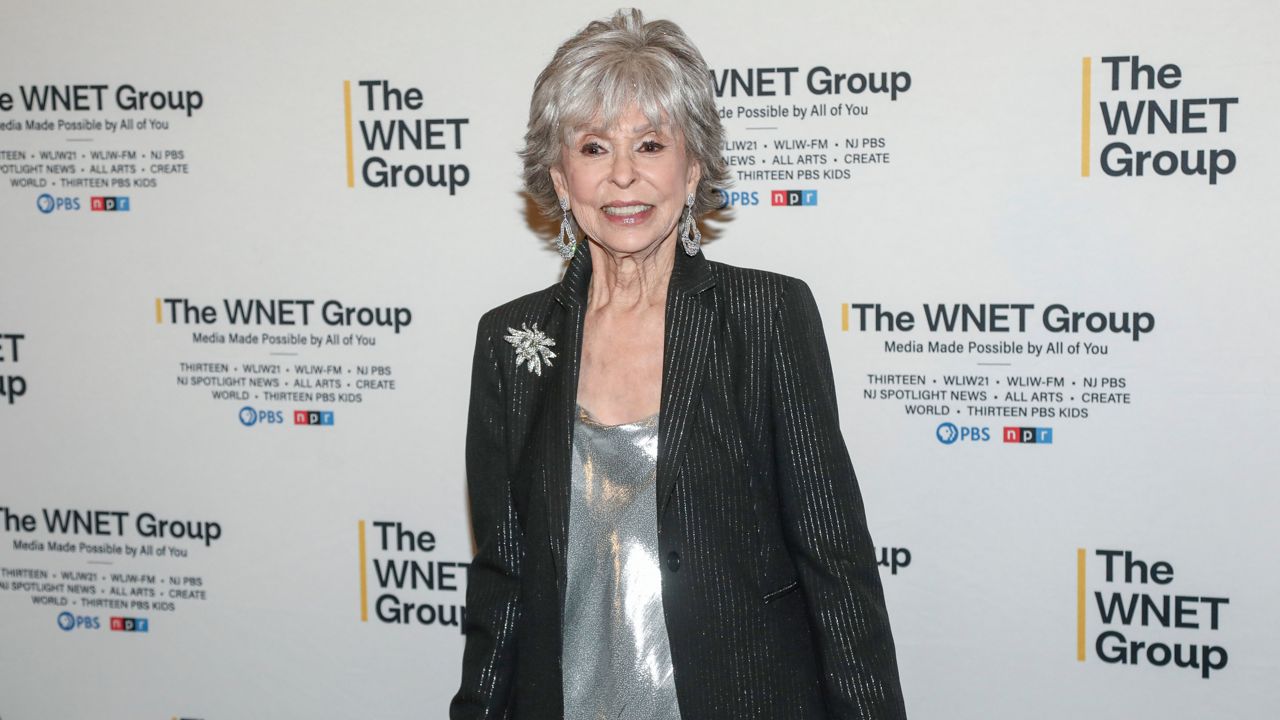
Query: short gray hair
[601,71]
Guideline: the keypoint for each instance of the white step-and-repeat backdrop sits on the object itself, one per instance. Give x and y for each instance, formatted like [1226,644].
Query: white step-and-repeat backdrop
[235,336]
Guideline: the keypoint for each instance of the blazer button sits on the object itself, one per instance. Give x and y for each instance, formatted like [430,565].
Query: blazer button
[673,561]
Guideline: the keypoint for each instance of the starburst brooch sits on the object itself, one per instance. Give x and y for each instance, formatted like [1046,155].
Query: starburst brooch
[532,346]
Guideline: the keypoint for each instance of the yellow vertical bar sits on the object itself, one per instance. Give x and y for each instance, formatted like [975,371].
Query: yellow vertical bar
[346,116]
[1085,73]
[844,317]
[159,313]
[364,580]
[1080,604]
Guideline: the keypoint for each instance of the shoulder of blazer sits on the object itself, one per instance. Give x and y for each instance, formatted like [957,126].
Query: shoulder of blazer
[752,296]
[527,308]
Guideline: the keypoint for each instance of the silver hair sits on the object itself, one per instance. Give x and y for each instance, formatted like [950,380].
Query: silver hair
[603,69]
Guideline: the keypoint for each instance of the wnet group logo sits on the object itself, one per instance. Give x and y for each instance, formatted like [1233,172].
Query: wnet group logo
[400,139]
[894,558]
[13,385]
[1153,125]
[1144,621]
[414,585]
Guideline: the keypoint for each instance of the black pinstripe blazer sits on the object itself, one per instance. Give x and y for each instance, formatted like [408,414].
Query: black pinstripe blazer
[770,587]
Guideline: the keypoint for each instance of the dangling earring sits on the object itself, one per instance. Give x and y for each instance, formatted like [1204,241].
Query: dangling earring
[690,243]
[566,249]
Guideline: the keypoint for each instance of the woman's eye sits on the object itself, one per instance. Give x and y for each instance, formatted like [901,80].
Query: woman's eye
[651,146]
[592,148]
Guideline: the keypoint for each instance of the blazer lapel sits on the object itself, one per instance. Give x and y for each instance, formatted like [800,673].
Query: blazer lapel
[688,327]
[689,324]
[571,298]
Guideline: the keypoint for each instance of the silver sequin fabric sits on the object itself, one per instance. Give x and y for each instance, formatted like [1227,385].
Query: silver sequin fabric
[617,656]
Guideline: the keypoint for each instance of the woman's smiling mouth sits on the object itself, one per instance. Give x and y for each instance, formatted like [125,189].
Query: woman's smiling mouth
[628,214]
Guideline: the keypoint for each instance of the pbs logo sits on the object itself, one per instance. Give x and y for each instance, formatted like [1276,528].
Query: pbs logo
[251,416]
[69,622]
[738,198]
[47,203]
[949,433]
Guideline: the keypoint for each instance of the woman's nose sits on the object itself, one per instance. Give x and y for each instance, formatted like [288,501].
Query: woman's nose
[624,169]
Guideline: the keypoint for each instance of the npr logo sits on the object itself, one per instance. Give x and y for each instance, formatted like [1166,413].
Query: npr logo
[793,197]
[1032,435]
[312,417]
[100,203]
[124,624]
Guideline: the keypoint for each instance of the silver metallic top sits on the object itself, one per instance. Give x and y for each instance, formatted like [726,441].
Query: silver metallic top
[617,657]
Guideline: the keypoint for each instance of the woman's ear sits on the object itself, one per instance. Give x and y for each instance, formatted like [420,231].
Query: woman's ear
[695,175]
[558,180]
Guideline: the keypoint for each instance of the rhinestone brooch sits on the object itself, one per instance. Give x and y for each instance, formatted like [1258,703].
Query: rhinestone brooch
[532,346]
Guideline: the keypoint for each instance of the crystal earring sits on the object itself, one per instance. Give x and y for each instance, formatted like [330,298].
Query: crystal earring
[566,249]
[690,243]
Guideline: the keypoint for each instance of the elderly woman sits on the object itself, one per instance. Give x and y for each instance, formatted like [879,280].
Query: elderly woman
[667,521]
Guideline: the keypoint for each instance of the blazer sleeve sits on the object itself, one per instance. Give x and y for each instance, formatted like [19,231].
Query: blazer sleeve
[824,521]
[493,578]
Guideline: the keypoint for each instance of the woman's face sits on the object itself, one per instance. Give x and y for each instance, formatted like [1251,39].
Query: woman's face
[626,184]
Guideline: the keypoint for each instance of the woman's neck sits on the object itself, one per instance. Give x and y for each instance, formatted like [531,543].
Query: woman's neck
[630,281]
